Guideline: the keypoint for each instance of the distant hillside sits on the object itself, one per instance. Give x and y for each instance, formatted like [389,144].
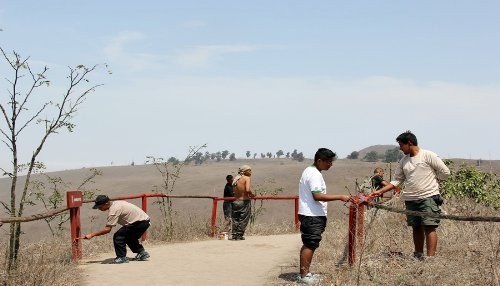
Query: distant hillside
[380,149]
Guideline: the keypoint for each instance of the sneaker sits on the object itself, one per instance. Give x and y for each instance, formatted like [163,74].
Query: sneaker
[120,260]
[308,279]
[143,255]
[419,256]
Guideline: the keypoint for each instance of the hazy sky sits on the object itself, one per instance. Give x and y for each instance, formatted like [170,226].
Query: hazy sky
[263,76]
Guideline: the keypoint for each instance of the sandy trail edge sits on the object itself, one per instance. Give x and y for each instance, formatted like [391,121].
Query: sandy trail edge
[256,261]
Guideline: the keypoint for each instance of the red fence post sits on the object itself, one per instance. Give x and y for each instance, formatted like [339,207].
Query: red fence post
[214,217]
[361,227]
[74,200]
[352,235]
[145,209]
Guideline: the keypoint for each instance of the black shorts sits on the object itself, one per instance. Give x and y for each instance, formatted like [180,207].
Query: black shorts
[311,228]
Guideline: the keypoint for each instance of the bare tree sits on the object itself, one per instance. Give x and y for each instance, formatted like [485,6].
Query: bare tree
[170,171]
[21,109]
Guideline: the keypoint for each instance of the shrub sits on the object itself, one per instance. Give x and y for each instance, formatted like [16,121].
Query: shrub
[469,182]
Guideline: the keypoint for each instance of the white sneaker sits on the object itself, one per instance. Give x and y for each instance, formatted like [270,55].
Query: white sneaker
[309,278]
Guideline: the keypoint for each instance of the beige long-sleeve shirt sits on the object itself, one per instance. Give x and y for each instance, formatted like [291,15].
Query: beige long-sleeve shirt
[124,213]
[421,174]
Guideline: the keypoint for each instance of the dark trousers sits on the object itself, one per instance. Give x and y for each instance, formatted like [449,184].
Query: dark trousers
[129,235]
[240,213]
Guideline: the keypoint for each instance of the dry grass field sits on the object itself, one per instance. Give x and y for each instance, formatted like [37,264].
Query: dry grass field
[469,253]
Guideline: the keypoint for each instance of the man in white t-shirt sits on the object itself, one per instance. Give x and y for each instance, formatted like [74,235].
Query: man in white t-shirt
[134,223]
[421,170]
[313,209]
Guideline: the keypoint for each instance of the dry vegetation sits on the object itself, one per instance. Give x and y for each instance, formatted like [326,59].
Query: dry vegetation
[468,252]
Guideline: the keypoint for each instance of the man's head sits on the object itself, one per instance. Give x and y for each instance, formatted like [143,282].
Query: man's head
[245,170]
[323,159]
[102,202]
[229,178]
[406,141]
[378,171]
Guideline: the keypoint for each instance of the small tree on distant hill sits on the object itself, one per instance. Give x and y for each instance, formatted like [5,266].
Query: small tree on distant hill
[224,154]
[279,153]
[232,157]
[353,156]
[371,156]
[248,154]
[393,155]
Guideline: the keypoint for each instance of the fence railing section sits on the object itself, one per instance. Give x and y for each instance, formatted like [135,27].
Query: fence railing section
[74,200]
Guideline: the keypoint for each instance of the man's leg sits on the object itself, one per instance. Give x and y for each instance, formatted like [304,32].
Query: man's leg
[236,220]
[418,238]
[133,235]
[245,216]
[119,242]
[431,239]
[306,255]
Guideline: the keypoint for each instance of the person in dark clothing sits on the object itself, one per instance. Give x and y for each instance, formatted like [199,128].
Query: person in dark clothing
[378,183]
[226,205]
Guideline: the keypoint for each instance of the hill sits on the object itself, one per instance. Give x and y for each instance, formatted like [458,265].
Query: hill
[209,179]
[380,149]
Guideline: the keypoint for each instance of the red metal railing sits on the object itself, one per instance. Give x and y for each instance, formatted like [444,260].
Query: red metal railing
[74,201]
[216,199]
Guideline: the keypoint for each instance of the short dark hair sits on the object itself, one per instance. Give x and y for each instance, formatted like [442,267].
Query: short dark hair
[324,154]
[229,177]
[407,137]
[100,200]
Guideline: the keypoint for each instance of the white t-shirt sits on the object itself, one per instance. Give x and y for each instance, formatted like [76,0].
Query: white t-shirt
[420,174]
[311,182]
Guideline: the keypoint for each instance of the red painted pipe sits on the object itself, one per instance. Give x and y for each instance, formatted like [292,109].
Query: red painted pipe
[352,235]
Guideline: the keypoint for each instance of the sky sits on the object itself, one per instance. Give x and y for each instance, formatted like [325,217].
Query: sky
[260,76]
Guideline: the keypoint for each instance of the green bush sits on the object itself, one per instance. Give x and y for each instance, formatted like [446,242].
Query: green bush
[469,182]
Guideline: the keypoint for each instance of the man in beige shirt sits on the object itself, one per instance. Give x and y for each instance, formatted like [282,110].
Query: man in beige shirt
[421,170]
[241,206]
[134,223]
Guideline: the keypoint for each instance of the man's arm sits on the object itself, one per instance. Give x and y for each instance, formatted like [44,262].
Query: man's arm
[326,198]
[247,188]
[386,188]
[102,231]
[440,169]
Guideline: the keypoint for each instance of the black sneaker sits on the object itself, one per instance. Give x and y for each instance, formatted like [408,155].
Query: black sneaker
[143,255]
[419,256]
[120,260]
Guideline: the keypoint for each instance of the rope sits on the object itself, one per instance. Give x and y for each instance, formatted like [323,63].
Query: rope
[32,217]
[441,216]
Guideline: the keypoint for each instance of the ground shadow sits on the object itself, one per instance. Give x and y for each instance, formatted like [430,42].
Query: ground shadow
[289,276]
[105,261]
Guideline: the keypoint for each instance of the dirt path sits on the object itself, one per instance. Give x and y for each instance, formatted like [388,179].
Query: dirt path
[257,261]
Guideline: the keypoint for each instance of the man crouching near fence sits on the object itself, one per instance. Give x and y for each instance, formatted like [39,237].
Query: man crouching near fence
[134,223]
[420,170]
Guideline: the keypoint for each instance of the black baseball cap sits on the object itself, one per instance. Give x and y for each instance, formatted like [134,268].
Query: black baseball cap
[100,200]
